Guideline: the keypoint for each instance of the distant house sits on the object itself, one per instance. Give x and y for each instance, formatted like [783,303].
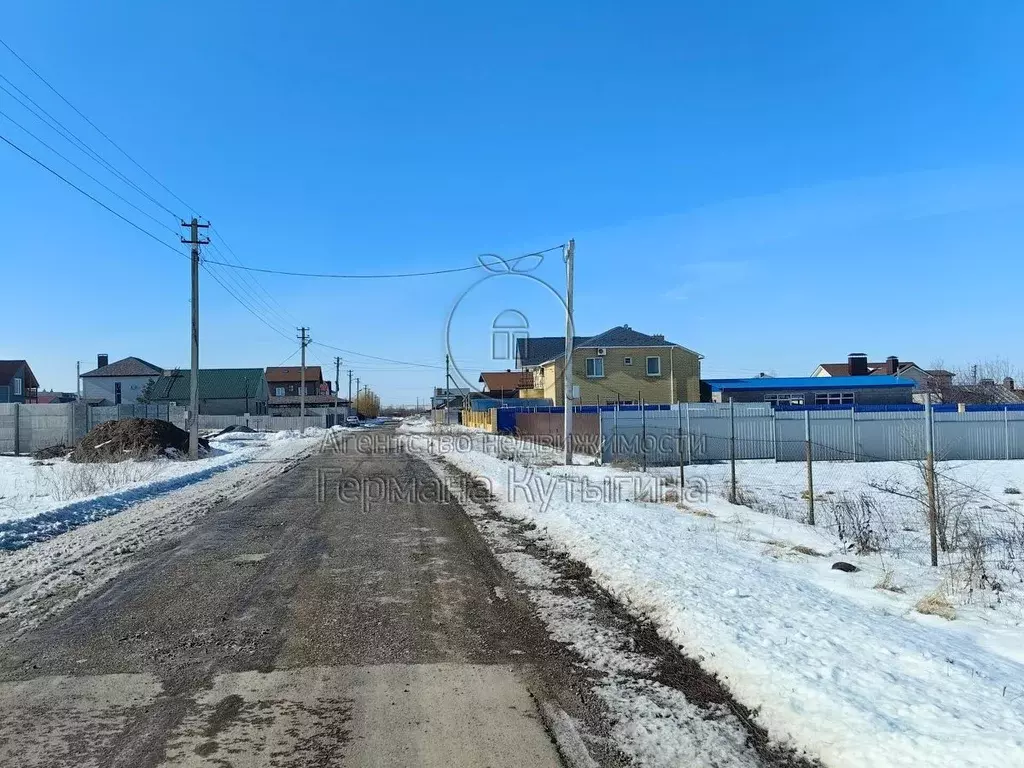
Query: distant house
[119,383]
[505,384]
[620,365]
[17,382]
[450,397]
[46,397]
[222,391]
[284,385]
[857,364]
[984,392]
[814,390]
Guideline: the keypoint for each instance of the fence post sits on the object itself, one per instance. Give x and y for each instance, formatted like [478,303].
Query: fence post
[682,472]
[17,429]
[643,432]
[929,478]
[808,455]
[615,431]
[853,432]
[732,451]
[689,438]
[1006,429]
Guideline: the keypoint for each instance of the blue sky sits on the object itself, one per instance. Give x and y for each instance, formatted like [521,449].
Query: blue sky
[773,185]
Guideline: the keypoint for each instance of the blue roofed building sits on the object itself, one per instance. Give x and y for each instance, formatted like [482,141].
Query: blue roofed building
[813,390]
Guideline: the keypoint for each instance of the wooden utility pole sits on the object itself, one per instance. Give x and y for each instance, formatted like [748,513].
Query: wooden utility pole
[302,375]
[569,254]
[194,240]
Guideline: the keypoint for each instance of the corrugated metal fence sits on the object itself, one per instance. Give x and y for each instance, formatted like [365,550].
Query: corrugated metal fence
[706,432]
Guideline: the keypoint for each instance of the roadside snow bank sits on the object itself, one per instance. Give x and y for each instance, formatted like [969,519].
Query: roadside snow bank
[40,500]
[835,667]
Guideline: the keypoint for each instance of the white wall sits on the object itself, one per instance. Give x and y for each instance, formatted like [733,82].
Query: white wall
[103,386]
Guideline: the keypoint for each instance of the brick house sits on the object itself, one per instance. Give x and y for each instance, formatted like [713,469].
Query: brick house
[620,365]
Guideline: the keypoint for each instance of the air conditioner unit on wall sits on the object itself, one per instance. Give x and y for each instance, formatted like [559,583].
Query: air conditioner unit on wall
[601,351]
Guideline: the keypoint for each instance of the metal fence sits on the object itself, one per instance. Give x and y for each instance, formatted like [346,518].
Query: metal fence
[705,432]
[26,428]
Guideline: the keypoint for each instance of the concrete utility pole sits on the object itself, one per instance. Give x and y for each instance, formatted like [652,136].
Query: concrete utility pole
[302,373]
[337,386]
[350,389]
[195,241]
[570,252]
[78,379]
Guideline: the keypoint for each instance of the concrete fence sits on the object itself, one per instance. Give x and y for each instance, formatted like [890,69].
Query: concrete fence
[25,429]
[712,432]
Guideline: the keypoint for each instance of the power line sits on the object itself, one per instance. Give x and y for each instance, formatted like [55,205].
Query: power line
[79,168]
[68,135]
[90,122]
[374,357]
[379,276]
[98,202]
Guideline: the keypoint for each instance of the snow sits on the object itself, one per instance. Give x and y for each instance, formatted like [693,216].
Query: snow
[39,500]
[830,664]
[44,579]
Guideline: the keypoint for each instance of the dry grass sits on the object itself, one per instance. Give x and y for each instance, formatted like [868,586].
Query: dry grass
[888,583]
[807,551]
[936,604]
[670,496]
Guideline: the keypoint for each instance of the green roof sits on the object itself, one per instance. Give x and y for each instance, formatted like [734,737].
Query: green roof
[214,384]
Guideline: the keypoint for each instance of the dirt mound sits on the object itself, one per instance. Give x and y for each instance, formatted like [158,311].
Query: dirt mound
[53,452]
[133,439]
[234,428]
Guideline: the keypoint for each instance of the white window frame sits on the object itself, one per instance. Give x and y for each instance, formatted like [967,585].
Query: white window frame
[835,398]
[781,398]
[18,387]
[627,360]
[597,362]
[648,369]
[279,391]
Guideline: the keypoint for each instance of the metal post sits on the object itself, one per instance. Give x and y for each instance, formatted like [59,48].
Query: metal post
[808,455]
[1006,429]
[570,253]
[929,479]
[682,471]
[615,430]
[853,431]
[732,451]
[17,429]
[689,438]
[643,431]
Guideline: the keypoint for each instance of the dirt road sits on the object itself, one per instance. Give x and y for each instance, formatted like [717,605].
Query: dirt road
[302,625]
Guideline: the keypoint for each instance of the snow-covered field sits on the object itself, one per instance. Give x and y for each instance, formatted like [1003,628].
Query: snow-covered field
[844,665]
[41,499]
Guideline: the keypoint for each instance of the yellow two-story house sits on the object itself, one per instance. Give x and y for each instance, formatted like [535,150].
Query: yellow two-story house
[618,366]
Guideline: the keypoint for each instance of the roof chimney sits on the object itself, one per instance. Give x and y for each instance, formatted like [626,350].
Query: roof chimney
[857,364]
[1008,383]
[102,361]
[892,365]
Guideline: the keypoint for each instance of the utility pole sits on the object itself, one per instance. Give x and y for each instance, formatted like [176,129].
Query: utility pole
[195,241]
[350,389]
[357,395]
[78,379]
[570,252]
[337,386]
[302,374]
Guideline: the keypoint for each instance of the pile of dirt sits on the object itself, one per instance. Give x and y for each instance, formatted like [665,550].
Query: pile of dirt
[53,452]
[234,428]
[133,439]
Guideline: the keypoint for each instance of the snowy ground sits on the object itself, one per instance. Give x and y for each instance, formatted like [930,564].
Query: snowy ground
[43,579]
[840,664]
[41,499]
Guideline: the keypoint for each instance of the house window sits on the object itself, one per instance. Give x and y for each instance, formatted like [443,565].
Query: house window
[17,387]
[117,393]
[654,366]
[595,367]
[784,399]
[278,391]
[833,398]
[627,361]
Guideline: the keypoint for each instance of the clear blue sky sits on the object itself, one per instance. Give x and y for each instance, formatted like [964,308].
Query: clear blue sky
[771,184]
